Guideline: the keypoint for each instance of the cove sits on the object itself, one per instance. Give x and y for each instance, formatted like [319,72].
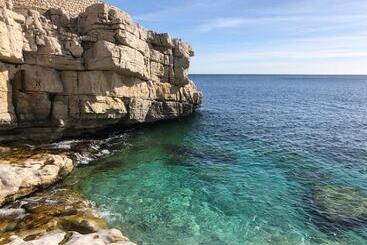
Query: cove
[263,162]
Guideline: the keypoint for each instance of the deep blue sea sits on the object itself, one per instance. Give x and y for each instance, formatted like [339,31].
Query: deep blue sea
[266,160]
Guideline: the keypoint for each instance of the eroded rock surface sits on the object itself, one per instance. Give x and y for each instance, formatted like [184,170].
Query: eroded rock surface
[62,75]
[23,172]
[55,217]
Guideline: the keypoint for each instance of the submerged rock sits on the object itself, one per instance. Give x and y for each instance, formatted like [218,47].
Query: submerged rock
[180,153]
[338,207]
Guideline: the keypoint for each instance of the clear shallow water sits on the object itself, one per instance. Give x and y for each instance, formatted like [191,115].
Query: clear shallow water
[241,171]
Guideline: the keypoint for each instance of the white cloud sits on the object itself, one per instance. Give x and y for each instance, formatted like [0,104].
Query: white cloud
[315,22]
[221,23]
[284,54]
[282,67]
[319,55]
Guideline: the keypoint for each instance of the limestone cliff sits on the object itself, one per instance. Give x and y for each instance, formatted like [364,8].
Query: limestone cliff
[62,75]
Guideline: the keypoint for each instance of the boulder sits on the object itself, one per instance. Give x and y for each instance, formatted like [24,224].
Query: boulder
[102,16]
[163,40]
[22,176]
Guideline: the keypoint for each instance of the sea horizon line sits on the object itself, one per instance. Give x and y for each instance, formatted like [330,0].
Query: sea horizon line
[269,74]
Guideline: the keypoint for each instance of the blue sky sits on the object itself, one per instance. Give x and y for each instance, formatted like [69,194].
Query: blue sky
[263,37]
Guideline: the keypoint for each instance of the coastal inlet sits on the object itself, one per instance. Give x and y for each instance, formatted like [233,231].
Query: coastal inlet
[267,160]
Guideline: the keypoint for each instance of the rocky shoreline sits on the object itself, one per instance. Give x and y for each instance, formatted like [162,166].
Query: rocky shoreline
[63,76]
[35,210]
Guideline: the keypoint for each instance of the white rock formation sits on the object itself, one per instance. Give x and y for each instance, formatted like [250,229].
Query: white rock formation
[61,75]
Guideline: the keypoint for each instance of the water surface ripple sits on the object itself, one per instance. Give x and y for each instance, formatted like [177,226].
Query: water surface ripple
[267,160]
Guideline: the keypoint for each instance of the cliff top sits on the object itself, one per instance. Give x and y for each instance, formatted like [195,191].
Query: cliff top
[73,7]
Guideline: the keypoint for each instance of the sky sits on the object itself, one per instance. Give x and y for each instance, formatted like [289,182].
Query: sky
[263,36]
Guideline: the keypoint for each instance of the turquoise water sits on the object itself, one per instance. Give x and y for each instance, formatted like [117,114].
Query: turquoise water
[245,169]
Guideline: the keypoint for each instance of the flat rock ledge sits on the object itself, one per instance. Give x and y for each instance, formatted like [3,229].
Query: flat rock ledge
[23,172]
[58,216]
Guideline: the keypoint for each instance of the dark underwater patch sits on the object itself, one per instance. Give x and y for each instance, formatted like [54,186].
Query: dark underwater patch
[184,154]
[334,209]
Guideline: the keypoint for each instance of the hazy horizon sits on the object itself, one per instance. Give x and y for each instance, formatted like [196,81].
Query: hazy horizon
[263,36]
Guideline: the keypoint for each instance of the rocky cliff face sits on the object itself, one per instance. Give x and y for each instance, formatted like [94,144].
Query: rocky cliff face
[62,75]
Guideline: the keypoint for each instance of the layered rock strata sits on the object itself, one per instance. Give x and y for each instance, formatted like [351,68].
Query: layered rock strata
[62,75]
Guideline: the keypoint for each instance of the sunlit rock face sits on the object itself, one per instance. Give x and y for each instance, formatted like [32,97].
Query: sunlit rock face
[63,75]
[55,217]
[23,172]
